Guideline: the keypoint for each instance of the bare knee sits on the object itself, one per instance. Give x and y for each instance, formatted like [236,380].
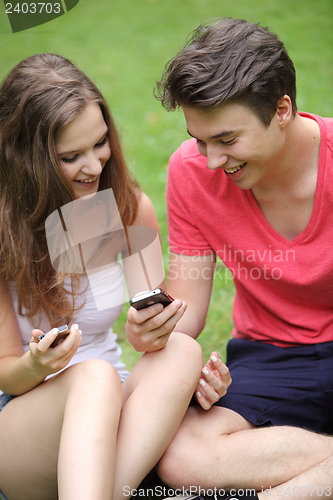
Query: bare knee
[187,351]
[98,372]
[91,377]
[176,467]
[181,359]
[168,468]
[197,444]
[185,360]
[188,344]
[187,463]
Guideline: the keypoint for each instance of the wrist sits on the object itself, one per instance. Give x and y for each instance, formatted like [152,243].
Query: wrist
[34,368]
[18,375]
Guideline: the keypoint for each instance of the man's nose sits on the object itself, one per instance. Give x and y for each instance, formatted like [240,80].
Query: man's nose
[216,158]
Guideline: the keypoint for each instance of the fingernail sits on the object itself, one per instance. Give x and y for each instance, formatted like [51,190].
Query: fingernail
[198,394]
[76,326]
[205,371]
[55,331]
[202,382]
[80,332]
[214,358]
[179,303]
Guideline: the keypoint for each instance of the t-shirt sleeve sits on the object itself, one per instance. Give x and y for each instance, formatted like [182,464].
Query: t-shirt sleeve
[185,237]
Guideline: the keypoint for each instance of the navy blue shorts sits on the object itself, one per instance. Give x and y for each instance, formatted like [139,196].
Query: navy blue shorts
[4,399]
[281,385]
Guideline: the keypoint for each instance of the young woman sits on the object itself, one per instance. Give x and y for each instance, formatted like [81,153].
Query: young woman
[72,432]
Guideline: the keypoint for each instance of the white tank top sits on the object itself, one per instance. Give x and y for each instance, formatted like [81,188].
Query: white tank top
[98,339]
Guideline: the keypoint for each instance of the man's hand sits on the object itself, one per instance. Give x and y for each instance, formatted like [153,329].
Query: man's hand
[149,329]
[214,382]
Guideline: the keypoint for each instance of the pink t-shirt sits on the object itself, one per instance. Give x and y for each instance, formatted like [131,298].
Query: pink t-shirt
[284,289]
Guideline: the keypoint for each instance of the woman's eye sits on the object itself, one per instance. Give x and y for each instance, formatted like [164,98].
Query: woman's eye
[70,159]
[102,142]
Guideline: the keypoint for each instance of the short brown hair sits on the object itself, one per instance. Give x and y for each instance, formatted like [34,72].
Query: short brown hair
[230,60]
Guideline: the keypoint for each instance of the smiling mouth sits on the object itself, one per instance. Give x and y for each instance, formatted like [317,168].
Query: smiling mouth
[86,181]
[234,169]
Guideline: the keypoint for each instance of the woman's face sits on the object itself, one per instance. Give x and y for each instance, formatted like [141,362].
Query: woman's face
[83,149]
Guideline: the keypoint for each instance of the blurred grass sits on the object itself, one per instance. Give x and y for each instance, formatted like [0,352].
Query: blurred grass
[124,45]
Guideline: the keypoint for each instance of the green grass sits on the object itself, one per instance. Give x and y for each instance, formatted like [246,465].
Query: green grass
[124,45]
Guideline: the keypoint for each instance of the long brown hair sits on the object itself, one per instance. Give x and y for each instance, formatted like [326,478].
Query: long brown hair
[39,96]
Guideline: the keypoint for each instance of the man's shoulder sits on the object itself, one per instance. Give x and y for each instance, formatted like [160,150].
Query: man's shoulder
[326,121]
[187,152]
[329,127]
[189,149]
[326,127]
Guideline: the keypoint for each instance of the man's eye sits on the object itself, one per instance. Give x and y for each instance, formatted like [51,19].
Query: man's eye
[230,141]
[70,159]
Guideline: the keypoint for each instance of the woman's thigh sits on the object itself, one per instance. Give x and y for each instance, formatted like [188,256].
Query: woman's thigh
[30,430]
[30,427]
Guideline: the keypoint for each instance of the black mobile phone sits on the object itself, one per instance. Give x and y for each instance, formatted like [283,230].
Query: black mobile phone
[62,334]
[157,296]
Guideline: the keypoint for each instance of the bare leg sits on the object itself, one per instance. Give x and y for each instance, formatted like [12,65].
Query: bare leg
[315,483]
[220,448]
[54,425]
[156,396]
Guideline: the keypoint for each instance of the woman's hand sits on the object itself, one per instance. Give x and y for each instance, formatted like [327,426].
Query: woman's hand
[48,360]
[149,329]
[214,382]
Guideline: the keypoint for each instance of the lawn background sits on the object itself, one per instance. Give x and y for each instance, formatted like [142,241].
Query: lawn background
[124,45]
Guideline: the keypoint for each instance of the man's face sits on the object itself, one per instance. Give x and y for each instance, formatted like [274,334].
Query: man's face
[234,139]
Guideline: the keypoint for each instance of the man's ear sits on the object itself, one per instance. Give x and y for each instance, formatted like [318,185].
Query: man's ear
[284,111]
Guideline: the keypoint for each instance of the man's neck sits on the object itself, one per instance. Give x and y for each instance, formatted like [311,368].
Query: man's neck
[298,163]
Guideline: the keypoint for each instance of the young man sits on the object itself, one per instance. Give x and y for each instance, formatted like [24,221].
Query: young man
[254,187]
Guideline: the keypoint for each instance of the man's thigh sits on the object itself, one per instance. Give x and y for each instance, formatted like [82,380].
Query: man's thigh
[194,449]
[281,386]
[200,425]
